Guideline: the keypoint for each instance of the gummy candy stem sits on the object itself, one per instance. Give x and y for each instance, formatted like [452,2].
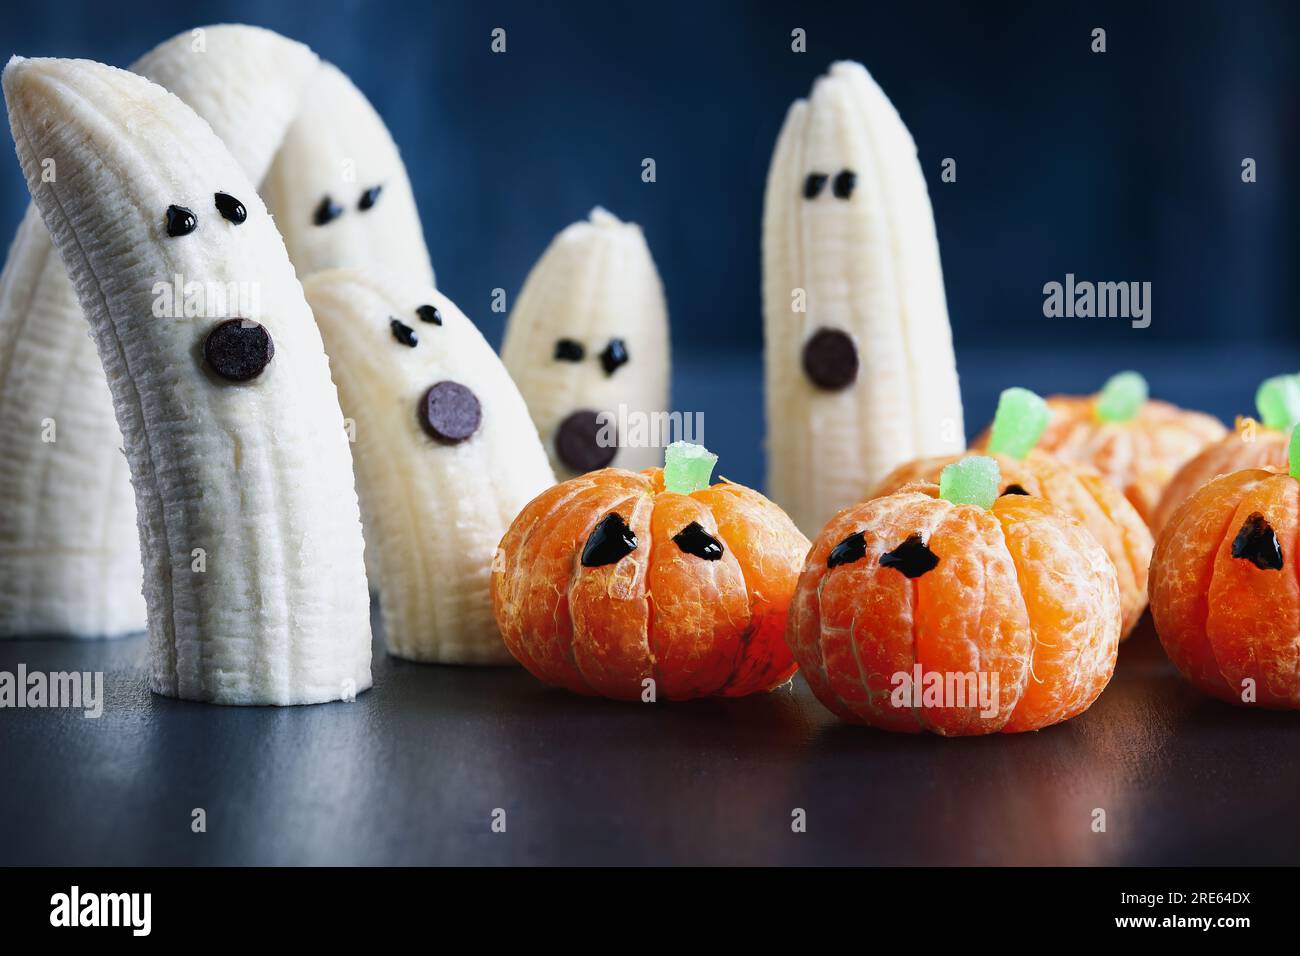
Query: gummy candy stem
[1293,452]
[1018,423]
[1122,397]
[687,467]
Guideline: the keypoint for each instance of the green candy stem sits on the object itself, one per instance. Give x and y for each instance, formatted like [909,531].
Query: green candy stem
[1293,452]
[971,481]
[1018,424]
[687,467]
[1121,397]
[1278,402]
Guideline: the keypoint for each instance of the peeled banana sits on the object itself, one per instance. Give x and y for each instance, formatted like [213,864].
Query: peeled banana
[69,550]
[339,191]
[249,524]
[858,353]
[587,339]
[446,457]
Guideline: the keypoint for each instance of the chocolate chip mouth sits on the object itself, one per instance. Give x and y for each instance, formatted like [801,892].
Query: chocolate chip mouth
[578,445]
[830,360]
[450,413]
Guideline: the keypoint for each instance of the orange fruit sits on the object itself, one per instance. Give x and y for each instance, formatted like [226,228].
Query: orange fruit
[1019,596]
[1224,592]
[608,580]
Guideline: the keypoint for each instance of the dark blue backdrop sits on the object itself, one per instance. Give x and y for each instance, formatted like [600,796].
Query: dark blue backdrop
[1120,166]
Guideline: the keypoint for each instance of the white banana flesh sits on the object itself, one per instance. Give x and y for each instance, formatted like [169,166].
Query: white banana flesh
[339,190]
[588,334]
[249,524]
[438,487]
[860,372]
[69,551]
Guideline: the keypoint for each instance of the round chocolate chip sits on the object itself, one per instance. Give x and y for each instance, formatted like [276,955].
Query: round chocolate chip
[578,442]
[830,360]
[238,349]
[230,208]
[450,412]
[369,198]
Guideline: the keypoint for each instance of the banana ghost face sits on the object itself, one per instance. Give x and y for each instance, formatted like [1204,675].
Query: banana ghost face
[339,190]
[445,457]
[590,334]
[858,352]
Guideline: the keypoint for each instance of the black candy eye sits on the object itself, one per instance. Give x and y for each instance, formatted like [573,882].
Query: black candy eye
[851,549]
[1014,489]
[568,350]
[1257,543]
[180,221]
[230,208]
[369,198]
[912,558]
[430,314]
[610,541]
[694,540]
[845,180]
[404,333]
[614,357]
[326,212]
[238,349]
[813,185]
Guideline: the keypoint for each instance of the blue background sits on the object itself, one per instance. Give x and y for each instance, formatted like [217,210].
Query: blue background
[1120,166]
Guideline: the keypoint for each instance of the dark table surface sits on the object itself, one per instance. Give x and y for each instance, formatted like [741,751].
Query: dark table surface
[413,771]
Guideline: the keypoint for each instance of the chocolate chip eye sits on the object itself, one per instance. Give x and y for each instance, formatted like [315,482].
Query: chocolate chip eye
[1014,489]
[450,412]
[404,333]
[694,540]
[369,198]
[238,349]
[610,541]
[567,350]
[430,314]
[180,221]
[851,549]
[326,212]
[614,357]
[230,208]
[912,558]
[813,185]
[1257,543]
[845,180]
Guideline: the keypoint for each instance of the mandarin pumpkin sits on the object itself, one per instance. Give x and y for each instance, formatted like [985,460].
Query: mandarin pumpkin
[1224,591]
[1136,443]
[616,578]
[1253,443]
[1077,489]
[1004,605]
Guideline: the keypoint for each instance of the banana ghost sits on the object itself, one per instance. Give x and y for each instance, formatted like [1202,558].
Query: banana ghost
[590,334]
[858,353]
[446,457]
[250,532]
